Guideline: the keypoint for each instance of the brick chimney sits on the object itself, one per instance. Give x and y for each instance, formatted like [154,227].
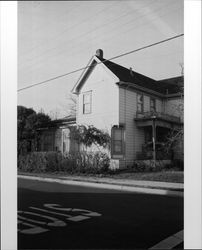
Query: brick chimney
[99,53]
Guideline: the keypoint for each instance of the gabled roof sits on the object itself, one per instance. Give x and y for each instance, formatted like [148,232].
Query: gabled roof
[86,72]
[125,75]
[166,86]
[68,120]
[173,85]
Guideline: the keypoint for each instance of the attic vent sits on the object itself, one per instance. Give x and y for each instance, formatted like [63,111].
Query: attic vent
[99,53]
[131,72]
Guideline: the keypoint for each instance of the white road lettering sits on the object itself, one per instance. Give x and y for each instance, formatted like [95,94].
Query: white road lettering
[86,212]
[30,218]
[57,207]
[70,218]
[55,223]
[32,230]
[50,212]
[78,218]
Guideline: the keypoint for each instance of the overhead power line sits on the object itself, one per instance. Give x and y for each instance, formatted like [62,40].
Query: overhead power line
[112,58]
[80,36]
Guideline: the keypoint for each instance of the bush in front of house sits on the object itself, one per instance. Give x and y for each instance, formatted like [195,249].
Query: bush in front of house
[178,164]
[78,162]
[141,166]
[38,162]
[86,162]
[148,166]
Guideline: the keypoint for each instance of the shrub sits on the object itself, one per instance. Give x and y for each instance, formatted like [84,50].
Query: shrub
[179,164]
[38,162]
[141,166]
[78,162]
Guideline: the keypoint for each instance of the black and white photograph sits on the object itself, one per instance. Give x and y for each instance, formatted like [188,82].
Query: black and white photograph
[100,124]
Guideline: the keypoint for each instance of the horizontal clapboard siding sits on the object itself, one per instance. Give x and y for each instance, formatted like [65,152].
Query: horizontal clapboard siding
[134,137]
[105,100]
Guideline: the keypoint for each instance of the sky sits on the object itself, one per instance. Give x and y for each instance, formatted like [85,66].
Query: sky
[56,37]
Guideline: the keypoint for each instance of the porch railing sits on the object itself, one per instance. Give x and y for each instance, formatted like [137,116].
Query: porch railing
[152,114]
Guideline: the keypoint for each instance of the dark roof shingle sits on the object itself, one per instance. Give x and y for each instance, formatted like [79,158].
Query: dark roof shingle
[166,86]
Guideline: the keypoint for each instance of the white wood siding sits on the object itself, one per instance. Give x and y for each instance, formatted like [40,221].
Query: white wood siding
[159,105]
[134,137]
[105,100]
[146,103]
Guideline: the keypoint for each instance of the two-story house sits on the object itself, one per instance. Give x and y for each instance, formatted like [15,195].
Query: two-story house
[137,111]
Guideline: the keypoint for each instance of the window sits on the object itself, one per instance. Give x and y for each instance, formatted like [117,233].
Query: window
[117,142]
[48,142]
[152,104]
[87,99]
[140,103]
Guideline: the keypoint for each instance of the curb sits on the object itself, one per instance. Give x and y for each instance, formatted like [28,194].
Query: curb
[106,186]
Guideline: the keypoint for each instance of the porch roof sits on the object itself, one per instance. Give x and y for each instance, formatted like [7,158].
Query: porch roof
[68,120]
[161,120]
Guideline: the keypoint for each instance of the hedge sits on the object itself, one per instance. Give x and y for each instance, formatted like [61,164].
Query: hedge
[79,162]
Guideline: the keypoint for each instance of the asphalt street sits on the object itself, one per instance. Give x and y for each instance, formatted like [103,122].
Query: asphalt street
[56,216]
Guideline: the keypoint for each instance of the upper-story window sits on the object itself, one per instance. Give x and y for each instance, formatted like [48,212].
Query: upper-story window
[152,104]
[140,103]
[87,102]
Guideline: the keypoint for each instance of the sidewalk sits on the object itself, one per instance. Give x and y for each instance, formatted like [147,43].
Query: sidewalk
[152,187]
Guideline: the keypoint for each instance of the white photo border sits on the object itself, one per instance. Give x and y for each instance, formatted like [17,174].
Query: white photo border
[193,172]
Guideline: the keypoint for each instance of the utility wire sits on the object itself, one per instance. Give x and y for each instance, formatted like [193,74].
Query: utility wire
[79,37]
[66,29]
[112,58]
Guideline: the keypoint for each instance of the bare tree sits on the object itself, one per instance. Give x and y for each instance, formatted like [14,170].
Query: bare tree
[54,114]
[175,139]
[72,105]
[182,68]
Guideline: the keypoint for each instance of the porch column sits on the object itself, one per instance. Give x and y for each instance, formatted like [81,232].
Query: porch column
[154,138]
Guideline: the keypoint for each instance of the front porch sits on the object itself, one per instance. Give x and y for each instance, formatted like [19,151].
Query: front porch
[157,127]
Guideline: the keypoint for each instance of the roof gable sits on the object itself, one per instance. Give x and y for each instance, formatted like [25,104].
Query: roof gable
[122,74]
[88,70]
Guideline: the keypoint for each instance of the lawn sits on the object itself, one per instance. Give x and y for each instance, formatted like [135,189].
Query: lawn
[164,176]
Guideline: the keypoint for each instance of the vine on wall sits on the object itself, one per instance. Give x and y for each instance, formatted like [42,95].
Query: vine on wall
[89,135]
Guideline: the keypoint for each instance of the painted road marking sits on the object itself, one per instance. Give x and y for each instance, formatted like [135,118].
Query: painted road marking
[71,218]
[50,212]
[24,218]
[170,242]
[86,212]
[78,218]
[32,228]
[55,223]
[55,207]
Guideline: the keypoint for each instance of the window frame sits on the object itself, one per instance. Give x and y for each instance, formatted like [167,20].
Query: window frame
[138,103]
[117,154]
[87,103]
[154,107]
